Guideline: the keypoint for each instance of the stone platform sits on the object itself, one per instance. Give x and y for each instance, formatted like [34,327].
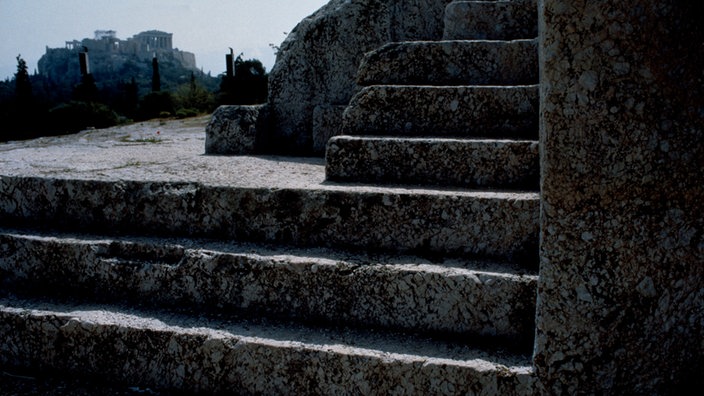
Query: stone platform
[193,266]
[165,151]
[162,184]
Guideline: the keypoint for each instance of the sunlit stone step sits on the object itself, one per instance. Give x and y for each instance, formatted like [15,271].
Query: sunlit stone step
[177,352]
[468,297]
[450,222]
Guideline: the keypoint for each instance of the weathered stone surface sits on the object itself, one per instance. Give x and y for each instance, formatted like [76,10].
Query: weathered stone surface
[317,63]
[111,181]
[457,162]
[235,130]
[131,179]
[18,381]
[327,122]
[621,277]
[478,62]
[470,222]
[172,352]
[468,297]
[467,111]
[491,20]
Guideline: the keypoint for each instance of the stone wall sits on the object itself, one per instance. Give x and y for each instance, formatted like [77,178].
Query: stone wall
[316,68]
[621,292]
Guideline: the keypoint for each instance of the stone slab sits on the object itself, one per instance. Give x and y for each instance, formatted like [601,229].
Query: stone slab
[174,352]
[478,62]
[434,161]
[400,292]
[459,111]
[470,222]
[129,179]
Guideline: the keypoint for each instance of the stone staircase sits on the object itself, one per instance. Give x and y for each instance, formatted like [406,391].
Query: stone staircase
[460,112]
[409,280]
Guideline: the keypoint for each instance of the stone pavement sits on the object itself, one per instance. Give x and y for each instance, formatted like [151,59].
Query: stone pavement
[153,150]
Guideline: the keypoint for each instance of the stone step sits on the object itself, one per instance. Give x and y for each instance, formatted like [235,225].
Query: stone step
[433,161]
[191,353]
[460,111]
[480,62]
[483,223]
[108,183]
[471,298]
[491,20]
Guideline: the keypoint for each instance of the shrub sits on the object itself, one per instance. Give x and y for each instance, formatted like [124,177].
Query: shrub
[185,113]
[156,104]
[75,116]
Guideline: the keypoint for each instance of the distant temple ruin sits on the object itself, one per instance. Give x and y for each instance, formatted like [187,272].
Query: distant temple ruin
[144,45]
[113,60]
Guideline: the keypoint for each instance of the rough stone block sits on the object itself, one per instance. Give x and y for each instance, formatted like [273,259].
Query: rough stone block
[501,224]
[476,62]
[313,285]
[235,129]
[466,111]
[621,277]
[454,162]
[317,63]
[193,355]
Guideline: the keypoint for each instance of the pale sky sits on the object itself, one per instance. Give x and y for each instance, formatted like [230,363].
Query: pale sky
[204,27]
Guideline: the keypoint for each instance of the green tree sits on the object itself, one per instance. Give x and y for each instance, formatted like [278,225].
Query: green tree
[248,86]
[156,105]
[20,113]
[23,85]
[131,98]
[156,78]
[192,98]
[75,116]
[86,90]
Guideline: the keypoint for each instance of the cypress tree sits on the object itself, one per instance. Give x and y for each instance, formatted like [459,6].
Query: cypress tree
[156,78]
[23,86]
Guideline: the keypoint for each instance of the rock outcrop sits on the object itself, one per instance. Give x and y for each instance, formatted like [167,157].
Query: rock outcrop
[316,68]
[233,129]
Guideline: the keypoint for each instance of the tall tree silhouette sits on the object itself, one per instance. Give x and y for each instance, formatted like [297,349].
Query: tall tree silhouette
[86,90]
[156,78]
[248,86]
[23,85]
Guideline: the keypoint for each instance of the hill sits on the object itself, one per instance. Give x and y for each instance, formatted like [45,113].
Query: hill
[114,61]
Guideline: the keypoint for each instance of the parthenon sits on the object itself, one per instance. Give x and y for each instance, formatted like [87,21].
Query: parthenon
[144,45]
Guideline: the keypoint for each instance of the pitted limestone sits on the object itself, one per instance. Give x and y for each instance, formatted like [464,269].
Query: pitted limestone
[326,124]
[467,297]
[317,63]
[477,62]
[622,140]
[441,161]
[235,129]
[453,222]
[491,20]
[467,111]
[172,352]
[169,187]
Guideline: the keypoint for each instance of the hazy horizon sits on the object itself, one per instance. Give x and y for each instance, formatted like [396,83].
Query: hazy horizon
[205,27]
